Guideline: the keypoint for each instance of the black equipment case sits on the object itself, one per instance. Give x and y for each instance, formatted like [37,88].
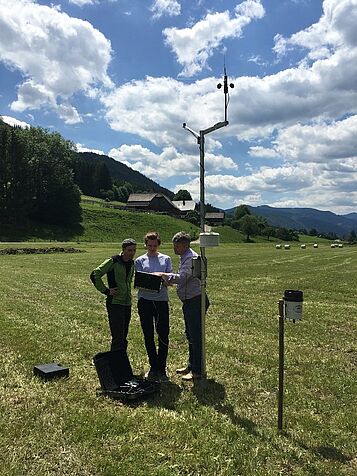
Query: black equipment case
[117,379]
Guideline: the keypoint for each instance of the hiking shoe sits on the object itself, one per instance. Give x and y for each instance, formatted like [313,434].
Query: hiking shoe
[183,370]
[163,377]
[190,377]
[152,375]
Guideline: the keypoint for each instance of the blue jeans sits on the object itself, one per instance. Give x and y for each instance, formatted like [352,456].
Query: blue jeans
[192,315]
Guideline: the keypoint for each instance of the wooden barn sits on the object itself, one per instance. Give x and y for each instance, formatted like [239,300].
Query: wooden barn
[152,202]
[214,218]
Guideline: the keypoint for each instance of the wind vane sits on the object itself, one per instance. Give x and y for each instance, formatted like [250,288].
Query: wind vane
[225,90]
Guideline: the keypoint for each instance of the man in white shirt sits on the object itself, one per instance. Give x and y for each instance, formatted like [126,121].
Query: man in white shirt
[153,308]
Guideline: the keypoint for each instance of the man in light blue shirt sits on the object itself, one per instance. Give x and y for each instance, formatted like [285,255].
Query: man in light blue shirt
[189,291]
[153,308]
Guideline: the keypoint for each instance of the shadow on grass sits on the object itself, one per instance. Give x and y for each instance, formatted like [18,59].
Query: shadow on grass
[332,453]
[211,393]
[167,396]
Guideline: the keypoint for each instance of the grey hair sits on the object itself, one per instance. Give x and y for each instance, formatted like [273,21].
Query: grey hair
[181,237]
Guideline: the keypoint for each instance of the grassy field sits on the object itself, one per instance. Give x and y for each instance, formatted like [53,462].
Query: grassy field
[103,224]
[100,224]
[226,425]
[99,201]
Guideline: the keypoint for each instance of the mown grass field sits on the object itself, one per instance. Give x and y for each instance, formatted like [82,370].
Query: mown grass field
[226,425]
[100,224]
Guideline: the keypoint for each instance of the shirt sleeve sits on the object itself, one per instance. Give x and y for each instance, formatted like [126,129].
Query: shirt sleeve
[138,265]
[184,274]
[98,273]
[169,267]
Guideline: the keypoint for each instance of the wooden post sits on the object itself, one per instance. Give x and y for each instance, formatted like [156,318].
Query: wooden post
[281,365]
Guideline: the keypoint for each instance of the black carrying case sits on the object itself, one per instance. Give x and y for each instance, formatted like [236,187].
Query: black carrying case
[117,379]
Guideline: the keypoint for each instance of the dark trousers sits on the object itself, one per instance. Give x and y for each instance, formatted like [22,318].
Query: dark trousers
[191,309]
[119,318]
[155,313]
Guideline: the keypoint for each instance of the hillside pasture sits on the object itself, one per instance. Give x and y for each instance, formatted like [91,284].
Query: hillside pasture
[226,425]
[101,224]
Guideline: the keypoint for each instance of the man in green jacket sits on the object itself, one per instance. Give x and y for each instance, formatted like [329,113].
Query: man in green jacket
[120,271]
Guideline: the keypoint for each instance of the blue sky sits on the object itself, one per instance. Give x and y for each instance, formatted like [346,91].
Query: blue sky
[121,76]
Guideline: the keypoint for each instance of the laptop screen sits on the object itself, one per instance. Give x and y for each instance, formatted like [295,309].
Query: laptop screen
[147,281]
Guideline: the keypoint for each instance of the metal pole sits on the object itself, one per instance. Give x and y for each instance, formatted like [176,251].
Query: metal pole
[281,365]
[202,180]
[203,312]
[201,141]
[203,255]
[225,90]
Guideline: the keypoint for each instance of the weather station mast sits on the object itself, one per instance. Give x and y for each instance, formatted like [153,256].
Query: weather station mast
[207,239]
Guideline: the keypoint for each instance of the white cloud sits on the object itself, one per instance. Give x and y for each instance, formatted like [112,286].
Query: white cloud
[300,185]
[319,142]
[156,108]
[82,3]
[82,148]
[263,152]
[266,179]
[14,122]
[58,56]
[336,27]
[169,162]
[165,7]
[193,46]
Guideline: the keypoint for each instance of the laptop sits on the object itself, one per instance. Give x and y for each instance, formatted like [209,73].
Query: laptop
[147,281]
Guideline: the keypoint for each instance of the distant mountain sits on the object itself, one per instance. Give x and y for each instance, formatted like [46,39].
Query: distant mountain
[122,172]
[305,218]
[351,216]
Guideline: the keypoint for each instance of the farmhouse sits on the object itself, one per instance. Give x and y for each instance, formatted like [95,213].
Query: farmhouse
[214,219]
[152,202]
[185,206]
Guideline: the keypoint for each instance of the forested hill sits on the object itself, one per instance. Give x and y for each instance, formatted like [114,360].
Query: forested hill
[305,218]
[122,173]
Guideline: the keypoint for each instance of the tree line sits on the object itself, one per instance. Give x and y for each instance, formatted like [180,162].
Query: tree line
[253,225]
[36,178]
[94,179]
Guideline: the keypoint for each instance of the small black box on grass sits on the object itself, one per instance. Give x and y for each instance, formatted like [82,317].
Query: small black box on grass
[117,379]
[50,371]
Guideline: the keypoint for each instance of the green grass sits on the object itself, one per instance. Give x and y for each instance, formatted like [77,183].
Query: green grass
[226,425]
[313,239]
[100,224]
[115,225]
[230,235]
[99,201]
